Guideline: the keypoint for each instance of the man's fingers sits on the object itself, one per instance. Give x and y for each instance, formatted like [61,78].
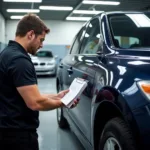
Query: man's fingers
[75,103]
[65,91]
[72,106]
[78,99]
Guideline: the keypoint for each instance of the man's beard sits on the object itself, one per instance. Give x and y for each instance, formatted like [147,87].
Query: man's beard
[32,50]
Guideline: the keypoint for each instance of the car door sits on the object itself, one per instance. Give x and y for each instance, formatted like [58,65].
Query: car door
[84,68]
[68,62]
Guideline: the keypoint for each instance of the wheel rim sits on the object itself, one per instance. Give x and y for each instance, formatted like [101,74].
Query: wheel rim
[58,114]
[112,144]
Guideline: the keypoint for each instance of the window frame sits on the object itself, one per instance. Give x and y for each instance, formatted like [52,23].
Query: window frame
[77,35]
[100,39]
[112,34]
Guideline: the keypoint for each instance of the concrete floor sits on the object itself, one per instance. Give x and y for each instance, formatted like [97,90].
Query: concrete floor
[50,136]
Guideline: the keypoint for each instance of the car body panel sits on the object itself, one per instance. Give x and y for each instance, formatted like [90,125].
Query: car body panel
[116,71]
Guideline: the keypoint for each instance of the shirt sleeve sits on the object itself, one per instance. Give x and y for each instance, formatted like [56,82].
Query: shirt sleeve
[22,72]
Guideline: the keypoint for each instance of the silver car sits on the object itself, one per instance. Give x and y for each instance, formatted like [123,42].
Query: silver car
[44,63]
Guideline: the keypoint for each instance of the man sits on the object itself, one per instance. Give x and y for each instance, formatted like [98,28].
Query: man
[20,99]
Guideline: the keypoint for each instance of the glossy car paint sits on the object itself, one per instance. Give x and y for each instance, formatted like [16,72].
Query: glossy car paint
[113,77]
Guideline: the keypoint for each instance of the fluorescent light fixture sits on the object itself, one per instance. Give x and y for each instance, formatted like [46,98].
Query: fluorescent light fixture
[16,17]
[23,10]
[100,2]
[24,1]
[86,12]
[58,8]
[141,20]
[78,18]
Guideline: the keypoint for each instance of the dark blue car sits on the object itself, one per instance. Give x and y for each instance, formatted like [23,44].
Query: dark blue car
[112,52]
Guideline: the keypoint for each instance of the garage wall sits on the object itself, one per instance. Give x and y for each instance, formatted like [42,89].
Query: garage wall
[61,35]
[62,32]
[2,32]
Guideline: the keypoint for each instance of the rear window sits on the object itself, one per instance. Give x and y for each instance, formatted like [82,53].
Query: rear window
[130,31]
[44,54]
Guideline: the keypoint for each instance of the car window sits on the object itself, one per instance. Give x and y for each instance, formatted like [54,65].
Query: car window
[91,38]
[130,31]
[44,54]
[127,42]
[77,42]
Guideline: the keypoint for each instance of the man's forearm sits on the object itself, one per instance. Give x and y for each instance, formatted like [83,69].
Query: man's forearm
[47,103]
[35,101]
[49,95]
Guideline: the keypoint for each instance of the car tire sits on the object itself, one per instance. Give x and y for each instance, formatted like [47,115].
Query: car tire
[117,135]
[61,120]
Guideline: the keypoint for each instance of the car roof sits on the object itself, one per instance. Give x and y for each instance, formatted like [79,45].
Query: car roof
[124,12]
[120,12]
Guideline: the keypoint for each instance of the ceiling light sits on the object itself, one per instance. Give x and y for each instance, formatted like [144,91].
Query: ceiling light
[24,1]
[16,17]
[78,18]
[60,8]
[23,10]
[101,2]
[86,12]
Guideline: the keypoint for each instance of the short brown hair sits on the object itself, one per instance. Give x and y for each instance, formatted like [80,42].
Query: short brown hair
[31,22]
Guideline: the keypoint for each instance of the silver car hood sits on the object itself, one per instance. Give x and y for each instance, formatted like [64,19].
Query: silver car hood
[41,59]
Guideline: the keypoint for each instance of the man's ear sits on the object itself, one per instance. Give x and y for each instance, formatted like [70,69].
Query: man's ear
[31,35]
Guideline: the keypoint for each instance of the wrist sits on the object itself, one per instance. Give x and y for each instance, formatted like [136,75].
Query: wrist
[61,104]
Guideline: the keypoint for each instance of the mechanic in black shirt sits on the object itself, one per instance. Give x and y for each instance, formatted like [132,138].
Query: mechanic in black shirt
[20,99]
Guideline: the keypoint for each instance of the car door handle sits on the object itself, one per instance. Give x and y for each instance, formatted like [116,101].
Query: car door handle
[99,52]
[70,71]
[61,66]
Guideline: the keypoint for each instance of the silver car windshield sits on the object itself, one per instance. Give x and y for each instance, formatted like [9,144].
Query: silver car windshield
[130,30]
[44,54]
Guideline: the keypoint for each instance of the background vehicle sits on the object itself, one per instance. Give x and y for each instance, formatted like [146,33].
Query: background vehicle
[112,52]
[44,63]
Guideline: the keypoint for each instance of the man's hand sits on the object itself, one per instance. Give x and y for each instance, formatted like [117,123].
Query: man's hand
[75,103]
[62,93]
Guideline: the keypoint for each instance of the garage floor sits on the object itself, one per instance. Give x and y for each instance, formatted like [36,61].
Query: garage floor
[50,136]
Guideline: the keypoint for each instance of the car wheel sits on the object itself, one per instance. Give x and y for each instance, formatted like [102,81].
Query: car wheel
[62,122]
[116,135]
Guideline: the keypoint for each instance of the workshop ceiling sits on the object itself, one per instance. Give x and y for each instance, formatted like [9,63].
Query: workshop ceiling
[76,4]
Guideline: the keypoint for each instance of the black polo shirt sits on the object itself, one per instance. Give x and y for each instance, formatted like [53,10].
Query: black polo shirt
[16,70]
